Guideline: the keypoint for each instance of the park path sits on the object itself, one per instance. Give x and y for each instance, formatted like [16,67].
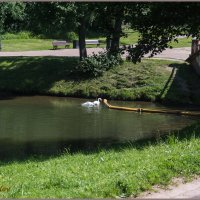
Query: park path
[175,54]
[178,190]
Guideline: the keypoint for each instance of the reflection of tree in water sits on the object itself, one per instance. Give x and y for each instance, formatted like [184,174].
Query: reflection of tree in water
[96,109]
[61,103]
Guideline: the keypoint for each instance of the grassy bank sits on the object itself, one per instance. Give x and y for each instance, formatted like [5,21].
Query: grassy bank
[149,80]
[123,170]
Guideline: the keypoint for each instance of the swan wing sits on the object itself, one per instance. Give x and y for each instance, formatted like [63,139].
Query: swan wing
[88,104]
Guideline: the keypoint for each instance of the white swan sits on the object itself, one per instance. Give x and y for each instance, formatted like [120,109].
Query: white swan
[92,104]
[97,103]
[88,104]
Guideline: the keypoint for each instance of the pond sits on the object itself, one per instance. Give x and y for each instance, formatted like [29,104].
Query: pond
[45,125]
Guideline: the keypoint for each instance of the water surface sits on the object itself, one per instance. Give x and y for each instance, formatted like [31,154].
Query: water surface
[32,125]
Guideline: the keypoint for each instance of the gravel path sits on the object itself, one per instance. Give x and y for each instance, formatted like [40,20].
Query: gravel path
[178,190]
[174,54]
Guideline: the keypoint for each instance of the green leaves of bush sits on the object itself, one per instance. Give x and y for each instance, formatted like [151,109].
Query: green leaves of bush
[97,64]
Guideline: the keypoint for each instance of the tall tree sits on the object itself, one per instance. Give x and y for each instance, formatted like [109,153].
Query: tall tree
[12,16]
[110,17]
[82,10]
[161,23]
[59,18]
[52,19]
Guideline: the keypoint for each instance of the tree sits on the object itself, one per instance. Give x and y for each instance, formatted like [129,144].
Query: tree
[109,19]
[59,18]
[161,23]
[51,19]
[11,16]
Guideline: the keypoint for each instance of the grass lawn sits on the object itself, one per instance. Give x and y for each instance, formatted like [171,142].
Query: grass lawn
[149,80]
[26,44]
[116,171]
[182,42]
[19,44]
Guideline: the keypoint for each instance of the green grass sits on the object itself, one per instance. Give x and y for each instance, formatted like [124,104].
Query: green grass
[116,171]
[19,35]
[182,42]
[149,80]
[24,41]
[26,44]
[130,38]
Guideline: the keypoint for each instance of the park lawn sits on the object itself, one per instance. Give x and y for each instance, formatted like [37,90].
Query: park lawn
[150,80]
[26,44]
[131,37]
[182,42]
[121,170]
[31,44]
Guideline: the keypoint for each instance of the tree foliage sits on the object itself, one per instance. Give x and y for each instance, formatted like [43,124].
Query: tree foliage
[51,19]
[12,16]
[157,23]
[161,23]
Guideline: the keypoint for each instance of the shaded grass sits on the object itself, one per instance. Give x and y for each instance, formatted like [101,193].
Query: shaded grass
[149,80]
[123,170]
[183,86]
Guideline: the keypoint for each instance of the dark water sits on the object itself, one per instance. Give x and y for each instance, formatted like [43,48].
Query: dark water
[45,125]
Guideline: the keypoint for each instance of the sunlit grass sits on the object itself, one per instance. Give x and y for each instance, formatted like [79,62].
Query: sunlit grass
[182,42]
[149,80]
[24,42]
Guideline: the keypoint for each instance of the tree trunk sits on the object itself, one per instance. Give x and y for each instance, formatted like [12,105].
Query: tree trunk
[116,35]
[108,42]
[81,33]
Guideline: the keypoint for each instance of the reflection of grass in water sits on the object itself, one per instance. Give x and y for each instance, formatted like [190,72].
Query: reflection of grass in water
[122,170]
[61,103]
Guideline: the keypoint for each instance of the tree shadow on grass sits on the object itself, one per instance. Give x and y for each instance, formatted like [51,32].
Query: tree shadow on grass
[182,86]
[36,75]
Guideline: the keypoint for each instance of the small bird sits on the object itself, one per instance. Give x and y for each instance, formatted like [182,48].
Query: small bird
[92,104]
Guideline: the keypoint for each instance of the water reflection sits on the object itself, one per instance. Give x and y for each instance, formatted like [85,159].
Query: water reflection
[34,125]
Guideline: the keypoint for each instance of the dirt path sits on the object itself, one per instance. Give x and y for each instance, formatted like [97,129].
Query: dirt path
[174,54]
[177,190]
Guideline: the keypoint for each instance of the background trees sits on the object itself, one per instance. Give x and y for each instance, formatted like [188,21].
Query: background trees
[51,19]
[12,16]
[157,23]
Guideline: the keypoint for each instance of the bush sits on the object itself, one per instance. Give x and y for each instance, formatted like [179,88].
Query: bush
[96,64]
[70,36]
[19,35]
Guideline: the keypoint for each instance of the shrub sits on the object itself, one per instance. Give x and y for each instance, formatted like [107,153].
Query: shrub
[70,36]
[96,64]
[19,35]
